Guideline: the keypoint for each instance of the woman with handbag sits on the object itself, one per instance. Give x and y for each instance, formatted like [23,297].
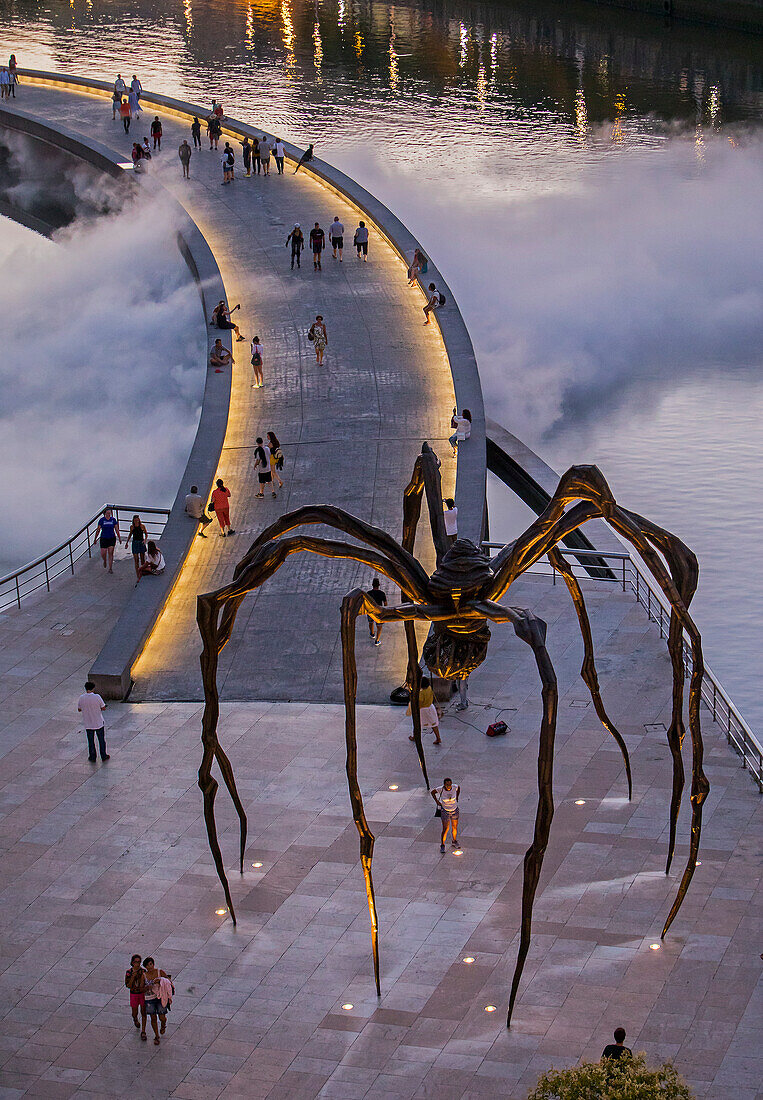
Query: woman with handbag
[427,710]
[318,337]
[276,458]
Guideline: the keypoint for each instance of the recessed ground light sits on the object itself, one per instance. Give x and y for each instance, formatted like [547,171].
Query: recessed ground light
[347,1007]
[580,802]
[221,912]
[257,864]
[393,786]
[469,959]
[489,1008]
[655,946]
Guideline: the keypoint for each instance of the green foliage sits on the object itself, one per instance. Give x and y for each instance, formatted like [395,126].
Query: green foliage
[613,1079]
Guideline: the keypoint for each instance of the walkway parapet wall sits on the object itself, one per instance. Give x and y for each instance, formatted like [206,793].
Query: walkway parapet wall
[112,669]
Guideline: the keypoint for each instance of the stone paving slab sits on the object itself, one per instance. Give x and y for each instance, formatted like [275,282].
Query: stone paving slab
[350,432]
[100,861]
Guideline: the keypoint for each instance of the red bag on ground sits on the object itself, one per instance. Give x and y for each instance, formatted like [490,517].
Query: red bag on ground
[496,729]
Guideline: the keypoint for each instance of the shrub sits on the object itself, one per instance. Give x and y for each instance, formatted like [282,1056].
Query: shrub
[613,1079]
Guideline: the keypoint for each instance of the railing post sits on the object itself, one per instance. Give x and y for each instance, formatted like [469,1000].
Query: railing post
[47,577]
[18,591]
[715,696]
[638,594]
[649,603]
[71,558]
[89,547]
[624,560]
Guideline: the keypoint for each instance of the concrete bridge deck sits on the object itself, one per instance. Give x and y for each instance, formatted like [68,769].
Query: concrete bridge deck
[350,431]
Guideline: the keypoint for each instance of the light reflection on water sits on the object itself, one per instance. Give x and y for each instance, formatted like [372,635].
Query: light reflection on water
[457,115]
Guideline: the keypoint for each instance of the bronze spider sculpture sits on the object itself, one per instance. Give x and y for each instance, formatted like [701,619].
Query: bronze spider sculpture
[459,599]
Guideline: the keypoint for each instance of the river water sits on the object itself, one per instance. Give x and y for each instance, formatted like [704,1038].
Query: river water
[588,180]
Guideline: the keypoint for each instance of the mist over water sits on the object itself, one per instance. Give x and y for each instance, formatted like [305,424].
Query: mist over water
[570,170]
[102,373]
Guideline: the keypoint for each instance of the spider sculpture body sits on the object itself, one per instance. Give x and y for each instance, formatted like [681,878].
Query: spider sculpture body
[459,599]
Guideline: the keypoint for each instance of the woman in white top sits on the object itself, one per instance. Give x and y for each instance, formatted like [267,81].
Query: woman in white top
[257,354]
[450,514]
[154,563]
[463,426]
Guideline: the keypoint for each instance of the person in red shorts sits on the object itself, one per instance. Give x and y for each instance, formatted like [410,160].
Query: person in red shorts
[135,980]
[221,506]
[156,133]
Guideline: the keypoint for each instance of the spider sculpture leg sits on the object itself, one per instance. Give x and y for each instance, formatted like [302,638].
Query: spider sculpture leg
[414,680]
[588,670]
[532,631]
[268,558]
[584,494]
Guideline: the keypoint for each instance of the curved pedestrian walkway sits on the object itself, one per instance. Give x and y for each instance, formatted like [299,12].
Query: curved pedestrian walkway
[350,431]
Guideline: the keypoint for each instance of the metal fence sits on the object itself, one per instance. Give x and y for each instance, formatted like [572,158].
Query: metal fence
[40,574]
[631,577]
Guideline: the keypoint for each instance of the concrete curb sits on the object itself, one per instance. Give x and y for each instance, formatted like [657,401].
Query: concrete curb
[112,669]
[471,469]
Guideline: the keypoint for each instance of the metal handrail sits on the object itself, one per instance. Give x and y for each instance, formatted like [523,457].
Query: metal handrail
[646,591]
[38,574]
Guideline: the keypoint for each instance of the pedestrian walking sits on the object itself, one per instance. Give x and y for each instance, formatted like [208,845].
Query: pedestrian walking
[256,163]
[276,458]
[220,505]
[246,156]
[463,428]
[196,132]
[434,301]
[134,101]
[107,535]
[221,319]
[155,1008]
[450,515]
[137,536]
[617,1049]
[185,153]
[137,88]
[446,798]
[262,466]
[90,706]
[135,980]
[379,597]
[279,152]
[306,157]
[125,114]
[336,234]
[154,563]
[116,103]
[317,243]
[194,507]
[214,131]
[5,83]
[257,353]
[319,338]
[13,74]
[120,87]
[227,163]
[463,693]
[428,716]
[297,239]
[265,149]
[156,133]
[360,240]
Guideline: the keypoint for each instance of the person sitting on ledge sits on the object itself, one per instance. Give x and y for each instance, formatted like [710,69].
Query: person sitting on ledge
[219,356]
[154,563]
[221,319]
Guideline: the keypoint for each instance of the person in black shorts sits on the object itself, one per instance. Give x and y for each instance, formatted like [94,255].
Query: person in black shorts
[262,466]
[317,243]
[221,319]
[376,594]
[196,132]
[618,1048]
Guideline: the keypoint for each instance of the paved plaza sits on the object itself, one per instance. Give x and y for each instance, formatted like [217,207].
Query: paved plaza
[350,431]
[101,861]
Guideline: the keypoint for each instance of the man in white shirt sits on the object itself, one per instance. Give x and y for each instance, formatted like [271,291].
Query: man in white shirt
[450,514]
[336,233]
[279,153]
[90,706]
[433,301]
[194,506]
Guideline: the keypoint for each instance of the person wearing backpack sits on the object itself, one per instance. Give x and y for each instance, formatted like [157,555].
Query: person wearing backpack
[257,363]
[435,300]
[227,160]
[262,466]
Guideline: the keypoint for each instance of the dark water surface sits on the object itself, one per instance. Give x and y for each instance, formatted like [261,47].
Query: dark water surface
[589,181]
